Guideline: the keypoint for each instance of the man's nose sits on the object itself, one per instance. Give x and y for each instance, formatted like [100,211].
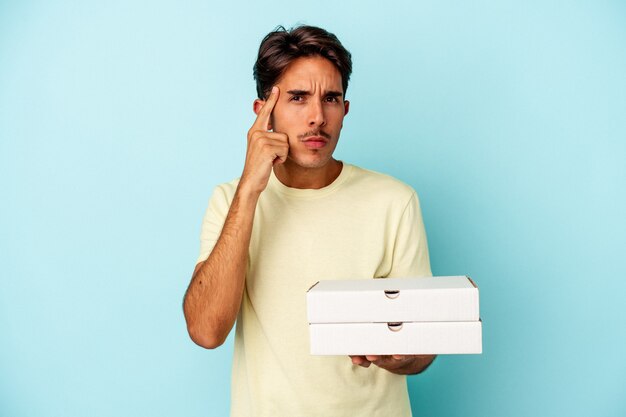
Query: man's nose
[316,114]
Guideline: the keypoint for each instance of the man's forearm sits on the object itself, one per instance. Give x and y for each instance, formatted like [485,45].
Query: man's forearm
[214,295]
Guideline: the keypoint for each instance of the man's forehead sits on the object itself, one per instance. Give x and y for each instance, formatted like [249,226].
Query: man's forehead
[305,73]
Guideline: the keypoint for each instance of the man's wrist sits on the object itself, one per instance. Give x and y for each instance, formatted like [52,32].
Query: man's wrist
[247,194]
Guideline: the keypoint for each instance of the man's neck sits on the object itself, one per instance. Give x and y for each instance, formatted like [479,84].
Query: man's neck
[295,176]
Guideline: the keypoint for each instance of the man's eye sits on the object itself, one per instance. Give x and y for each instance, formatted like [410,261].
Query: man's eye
[332,99]
[296,98]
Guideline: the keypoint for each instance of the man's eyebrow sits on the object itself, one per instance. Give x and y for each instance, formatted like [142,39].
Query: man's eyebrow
[299,92]
[308,93]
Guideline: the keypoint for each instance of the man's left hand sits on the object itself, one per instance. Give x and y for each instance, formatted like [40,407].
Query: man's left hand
[397,364]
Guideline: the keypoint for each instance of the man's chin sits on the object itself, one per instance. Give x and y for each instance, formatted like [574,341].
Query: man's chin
[311,163]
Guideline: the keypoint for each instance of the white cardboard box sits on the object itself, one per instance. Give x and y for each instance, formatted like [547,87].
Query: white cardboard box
[417,338]
[426,315]
[393,299]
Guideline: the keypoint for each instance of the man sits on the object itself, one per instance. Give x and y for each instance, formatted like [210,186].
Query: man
[295,216]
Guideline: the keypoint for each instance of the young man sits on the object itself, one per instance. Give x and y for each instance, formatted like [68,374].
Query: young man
[297,215]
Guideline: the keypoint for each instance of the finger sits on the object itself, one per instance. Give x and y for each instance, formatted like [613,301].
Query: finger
[269,136]
[360,360]
[263,118]
[372,358]
[279,160]
[398,357]
[277,153]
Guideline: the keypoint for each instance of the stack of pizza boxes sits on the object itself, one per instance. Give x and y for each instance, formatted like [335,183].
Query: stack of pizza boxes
[421,315]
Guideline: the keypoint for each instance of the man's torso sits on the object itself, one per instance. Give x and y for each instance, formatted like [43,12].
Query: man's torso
[354,228]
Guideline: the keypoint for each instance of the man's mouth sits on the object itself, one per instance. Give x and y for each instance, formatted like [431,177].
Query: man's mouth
[315,139]
[315,142]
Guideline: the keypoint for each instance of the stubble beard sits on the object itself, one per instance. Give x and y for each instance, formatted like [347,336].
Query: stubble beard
[311,163]
[315,164]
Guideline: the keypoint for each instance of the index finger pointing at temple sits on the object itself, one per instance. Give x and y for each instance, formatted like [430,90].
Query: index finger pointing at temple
[263,117]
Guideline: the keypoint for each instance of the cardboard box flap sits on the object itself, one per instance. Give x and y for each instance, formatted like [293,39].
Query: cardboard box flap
[376,284]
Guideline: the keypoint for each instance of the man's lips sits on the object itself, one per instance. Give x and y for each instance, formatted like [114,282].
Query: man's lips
[315,142]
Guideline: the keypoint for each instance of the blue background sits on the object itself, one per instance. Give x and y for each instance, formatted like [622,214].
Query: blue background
[118,118]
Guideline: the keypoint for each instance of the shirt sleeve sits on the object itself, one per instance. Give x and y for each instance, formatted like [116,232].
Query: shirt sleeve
[213,222]
[410,252]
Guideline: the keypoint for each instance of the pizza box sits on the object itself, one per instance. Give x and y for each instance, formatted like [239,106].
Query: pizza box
[430,299]
[411,338]
[401,316]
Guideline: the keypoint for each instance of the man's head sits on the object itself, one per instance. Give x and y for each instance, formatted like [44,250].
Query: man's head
[281,47]
[312,70]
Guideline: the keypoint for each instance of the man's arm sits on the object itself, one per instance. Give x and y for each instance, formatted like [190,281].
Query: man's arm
[397,364]
[213,298]
[214,294]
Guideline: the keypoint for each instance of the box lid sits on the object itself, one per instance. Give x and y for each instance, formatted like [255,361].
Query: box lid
[449,298]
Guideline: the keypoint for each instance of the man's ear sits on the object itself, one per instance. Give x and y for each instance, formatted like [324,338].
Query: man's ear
[346,107]
[257,105]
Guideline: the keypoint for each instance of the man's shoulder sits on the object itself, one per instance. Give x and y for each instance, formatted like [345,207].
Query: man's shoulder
[226,190]
[381,183]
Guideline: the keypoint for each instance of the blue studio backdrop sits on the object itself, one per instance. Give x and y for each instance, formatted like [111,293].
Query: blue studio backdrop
[118,118]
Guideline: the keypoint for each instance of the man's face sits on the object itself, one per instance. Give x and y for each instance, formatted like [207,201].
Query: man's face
[310,110]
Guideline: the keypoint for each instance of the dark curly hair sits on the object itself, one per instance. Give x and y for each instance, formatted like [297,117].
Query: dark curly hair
[281,47]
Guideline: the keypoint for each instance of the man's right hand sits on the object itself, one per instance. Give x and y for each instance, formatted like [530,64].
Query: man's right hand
[265,148]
